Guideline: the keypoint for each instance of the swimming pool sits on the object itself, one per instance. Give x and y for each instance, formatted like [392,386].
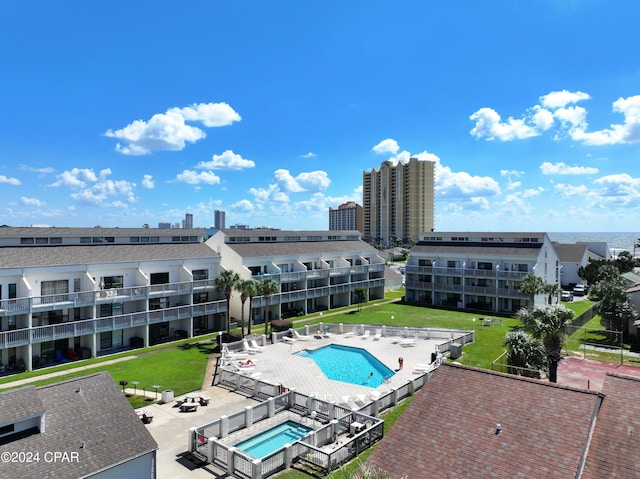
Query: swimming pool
[273,439]
[349,365]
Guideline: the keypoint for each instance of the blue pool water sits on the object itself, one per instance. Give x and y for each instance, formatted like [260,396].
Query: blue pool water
[273,439]
[349,365]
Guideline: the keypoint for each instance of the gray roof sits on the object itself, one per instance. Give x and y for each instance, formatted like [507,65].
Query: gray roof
[476,249]
[570,252]
[24,403]
[34,256]
[259,250]
[30,231]
[92,411]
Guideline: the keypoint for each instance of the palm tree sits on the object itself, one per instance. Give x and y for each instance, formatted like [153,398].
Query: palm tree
[248,289]
[553,290]
[547,324]
[525,354]
[226,282]
[267,288]
[532,285]
[360,294]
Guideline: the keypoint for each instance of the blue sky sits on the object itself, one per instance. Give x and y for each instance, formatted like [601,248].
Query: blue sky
[125,113]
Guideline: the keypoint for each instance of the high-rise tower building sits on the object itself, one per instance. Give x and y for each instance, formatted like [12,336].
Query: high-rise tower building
[219,219]
[188,221]
[348,216]
[398,201]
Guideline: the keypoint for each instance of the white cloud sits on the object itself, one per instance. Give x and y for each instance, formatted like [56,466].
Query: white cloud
[272,193]
[559,99]
[147,182]
[489,125]
[563,169]
[571,190]
[76,178]
[41,171]
[560,105]
[243,205]
[515,173]
[621,188]
[628,132]
[532,192]
[308,155]
[169,131]
[195,178]
[228,160]
[10,181]
[306,181]
[31,201]
[96,190]
[209,114]
[512,185]
[386,146]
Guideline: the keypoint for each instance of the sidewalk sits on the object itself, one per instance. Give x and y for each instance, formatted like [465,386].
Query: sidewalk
[23,382]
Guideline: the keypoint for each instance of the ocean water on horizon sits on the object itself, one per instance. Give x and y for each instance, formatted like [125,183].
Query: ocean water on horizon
[617,241]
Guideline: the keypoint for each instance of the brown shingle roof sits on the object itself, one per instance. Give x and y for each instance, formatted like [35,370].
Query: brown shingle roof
[614,447]
[449,429]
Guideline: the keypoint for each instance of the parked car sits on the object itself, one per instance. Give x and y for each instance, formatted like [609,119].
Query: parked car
[566,296]
[579,290]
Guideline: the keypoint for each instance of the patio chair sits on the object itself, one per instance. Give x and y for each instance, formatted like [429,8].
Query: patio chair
[351,333]
[60,358]
[407,342]
[423,367]
[288,339]
[378,334]
[256,346]
[299,336]
[366,334]
[72,355]
[249,349]
[233,354]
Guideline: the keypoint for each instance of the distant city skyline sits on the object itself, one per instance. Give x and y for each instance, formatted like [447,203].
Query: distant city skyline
[272,112]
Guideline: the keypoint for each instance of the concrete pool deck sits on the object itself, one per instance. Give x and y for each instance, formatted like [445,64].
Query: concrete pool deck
[279,364]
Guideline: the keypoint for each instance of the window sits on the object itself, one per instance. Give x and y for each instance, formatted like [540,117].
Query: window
[134,239]
[159,278]
[314,238]
[42,240]
[108,239]
[425,262]
[158,303]
[485,266]
[200,274]
[111,282]
[85,240]
[292,238]
[26,240]
[97,240]
[144,239]
[55,240]
[54,287]
[13,290]
[199,298]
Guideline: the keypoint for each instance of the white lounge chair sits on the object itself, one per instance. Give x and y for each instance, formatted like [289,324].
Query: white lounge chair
[242,366]
[351,333]
[423,368]
[408,342]
[378,335]
[300,337]
[366,334]
[288,339]
[360,400]
[256,346]
[233,354]
[249,349]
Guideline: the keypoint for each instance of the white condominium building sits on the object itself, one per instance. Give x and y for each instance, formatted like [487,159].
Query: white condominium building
[479,271]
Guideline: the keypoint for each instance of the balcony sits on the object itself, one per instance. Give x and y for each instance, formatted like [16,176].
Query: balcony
[39,334]
[54,302]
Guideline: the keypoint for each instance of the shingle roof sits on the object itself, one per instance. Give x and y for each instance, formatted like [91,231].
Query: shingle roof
[449,428]
[261,250]
[34,256]
[24,403]
[570,253]
[614,448]
[90,410]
